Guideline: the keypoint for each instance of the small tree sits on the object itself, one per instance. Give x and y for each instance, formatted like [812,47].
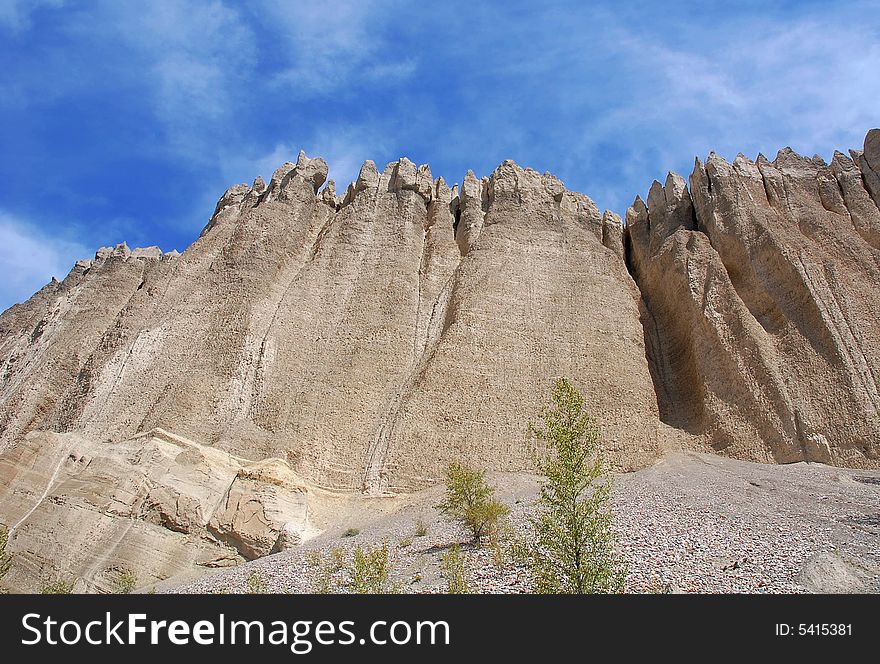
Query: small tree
[469,500]
[370,570]
[574,547]
[452,565]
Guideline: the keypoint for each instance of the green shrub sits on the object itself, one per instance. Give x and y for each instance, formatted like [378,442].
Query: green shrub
[59,587]
[368,573]
[324,571]
[469,500]
[452,565]
[5,558]
[255,584]
[370,570]
[573,550]
[126,582]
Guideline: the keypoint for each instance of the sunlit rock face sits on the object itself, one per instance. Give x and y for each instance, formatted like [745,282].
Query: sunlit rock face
[760,280]
[178,411]
[367,340]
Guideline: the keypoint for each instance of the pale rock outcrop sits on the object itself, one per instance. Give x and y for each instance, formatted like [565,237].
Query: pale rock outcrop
[264,510]
[157,504]
[612,233]
[333,335]
[869,162]
[760,285]
[537,290]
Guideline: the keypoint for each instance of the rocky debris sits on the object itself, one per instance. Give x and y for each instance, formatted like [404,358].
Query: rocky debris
[690,524]
[157,504]
[828,572]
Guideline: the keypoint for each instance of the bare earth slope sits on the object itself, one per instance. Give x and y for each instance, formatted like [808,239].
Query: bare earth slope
[690,523]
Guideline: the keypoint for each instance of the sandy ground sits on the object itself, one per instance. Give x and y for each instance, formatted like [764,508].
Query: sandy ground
[691,523]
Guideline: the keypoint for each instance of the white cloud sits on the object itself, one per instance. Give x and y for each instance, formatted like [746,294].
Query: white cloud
[189,63]
[196,51]
[326,46]
[17,15]
[811,84]
[620,96]
[30,258]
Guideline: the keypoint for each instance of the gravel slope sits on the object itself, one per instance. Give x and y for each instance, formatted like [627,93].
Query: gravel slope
[691,523]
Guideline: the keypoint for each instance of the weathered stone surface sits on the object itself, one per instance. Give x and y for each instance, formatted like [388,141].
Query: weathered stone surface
[352,340]
[869,160]
[761,291]
[264,501]
[536,290]
[153,504]
[368,341]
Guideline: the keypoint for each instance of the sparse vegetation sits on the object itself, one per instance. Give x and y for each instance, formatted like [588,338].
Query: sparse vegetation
[368,573]
[405,542]
[573,550]
[126,582]
[370,570]
[452,565]
[255,583]
[469,499]
[59,587]
[324,571]
[421,528]
[351,532]
[5,558]
[337,558]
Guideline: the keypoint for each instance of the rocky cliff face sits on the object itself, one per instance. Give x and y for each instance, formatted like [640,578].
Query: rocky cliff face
[759,282]
[367,339]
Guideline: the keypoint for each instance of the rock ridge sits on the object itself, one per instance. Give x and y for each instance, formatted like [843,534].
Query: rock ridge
[309,343]
[762,276]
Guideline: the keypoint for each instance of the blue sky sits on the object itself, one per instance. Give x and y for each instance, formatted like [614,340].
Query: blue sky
[126,120]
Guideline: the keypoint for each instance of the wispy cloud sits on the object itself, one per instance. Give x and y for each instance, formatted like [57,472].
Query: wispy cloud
[190,59]
[29,258]
[17,15]
[611,97]
[325,47]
